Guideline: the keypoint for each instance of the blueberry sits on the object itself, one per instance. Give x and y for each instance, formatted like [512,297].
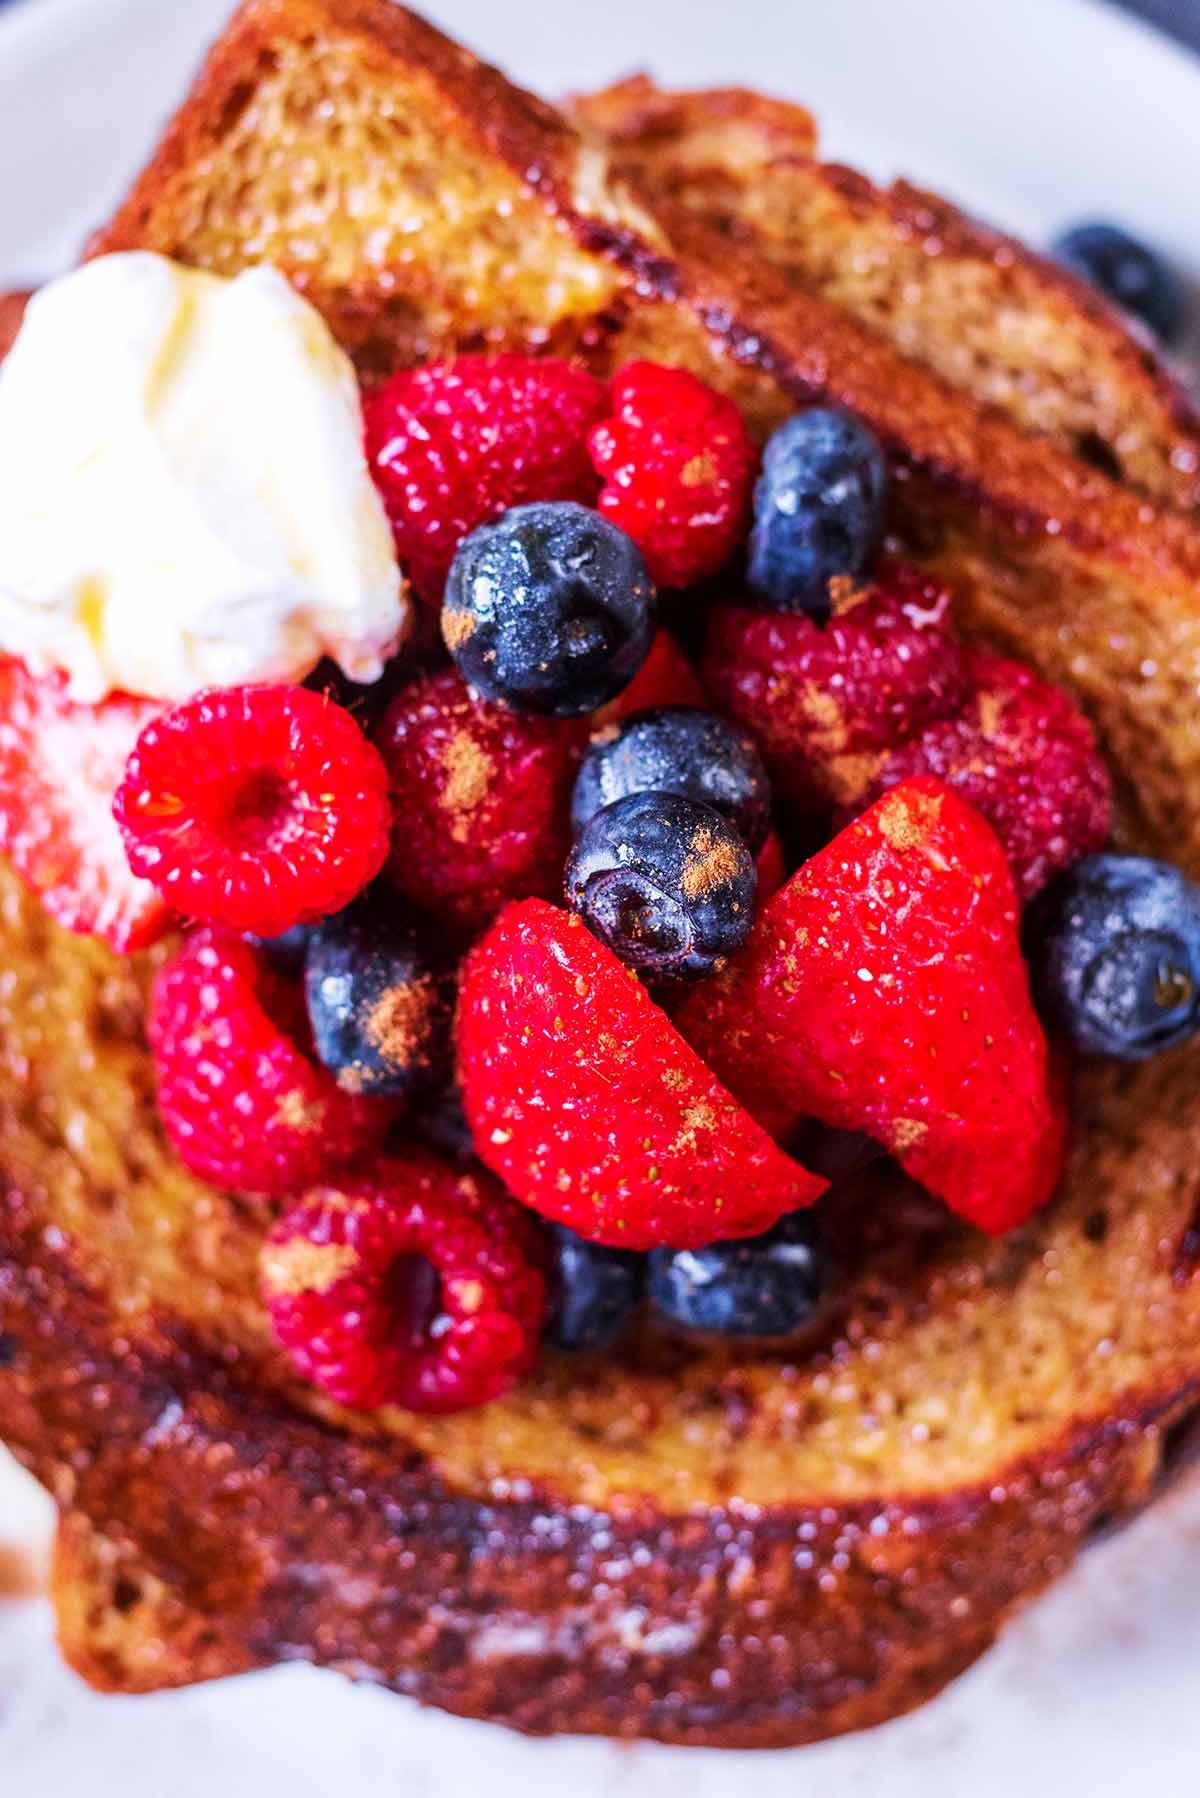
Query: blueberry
[550,609]
[1138,279]
[1116,951]
[678,749]
[378,1009]
[286,952]
[818,511]
[765,1286]
[666,882]
[442,1123]
[594,1290]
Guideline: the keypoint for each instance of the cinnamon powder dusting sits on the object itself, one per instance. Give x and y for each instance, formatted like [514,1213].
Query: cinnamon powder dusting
[710,862]
[293,1267]
[399,1021]
[904,820]
[469,771]
[293,1111]
[457,626]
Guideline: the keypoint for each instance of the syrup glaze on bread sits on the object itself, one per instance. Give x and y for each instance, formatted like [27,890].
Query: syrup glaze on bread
[694,1545]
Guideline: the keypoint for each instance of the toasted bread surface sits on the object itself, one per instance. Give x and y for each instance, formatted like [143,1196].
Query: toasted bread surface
[686,1543]
[1014,329]
[392,125]
[783,1545]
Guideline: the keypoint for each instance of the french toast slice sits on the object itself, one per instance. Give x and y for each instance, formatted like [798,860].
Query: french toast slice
[439,208]
[680,1542]
[1014,329]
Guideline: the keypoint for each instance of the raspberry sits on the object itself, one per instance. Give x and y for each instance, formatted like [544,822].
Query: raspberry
[244,1102]
[591,1107]
[454,444]
[1027,759]
[883,990]
[666,677]
[255,807]
[416,1285]
[678,468]
[60,764]
[827,704]
[480,798]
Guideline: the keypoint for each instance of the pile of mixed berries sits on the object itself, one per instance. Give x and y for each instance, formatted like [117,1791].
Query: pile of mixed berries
[520,982]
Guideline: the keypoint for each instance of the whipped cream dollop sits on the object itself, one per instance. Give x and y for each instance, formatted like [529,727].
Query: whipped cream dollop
[184,496]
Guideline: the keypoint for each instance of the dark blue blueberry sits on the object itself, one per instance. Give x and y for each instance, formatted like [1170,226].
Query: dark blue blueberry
[818,511]
[549,610]
[1137,278]
[666,882]
[594,1291]
[677,749]
[1116,951]
[379,1011]
[761,1286]
[287,952]
[442,1122]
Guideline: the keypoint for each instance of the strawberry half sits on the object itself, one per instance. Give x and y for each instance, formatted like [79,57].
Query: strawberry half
[883,990]
[60,765]
[592,1108]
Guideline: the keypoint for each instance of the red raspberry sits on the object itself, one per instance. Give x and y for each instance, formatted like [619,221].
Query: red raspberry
[454,444]
[827,704]
[592,1108]
[60,764]
[480,799]
[678,468]
[1023,755]
[416,1285]
[883,990]
[244,1102]
[666,677]
[255,807]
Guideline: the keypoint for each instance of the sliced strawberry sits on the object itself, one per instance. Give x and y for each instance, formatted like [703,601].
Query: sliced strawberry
[883,990]
[591,1107]
[60,765]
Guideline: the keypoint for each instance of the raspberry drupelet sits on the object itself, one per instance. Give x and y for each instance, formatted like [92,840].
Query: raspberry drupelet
[245,1103]
[256,808]
[480,799]
[417,1284]
[454,444]
[678,467]
[828,703]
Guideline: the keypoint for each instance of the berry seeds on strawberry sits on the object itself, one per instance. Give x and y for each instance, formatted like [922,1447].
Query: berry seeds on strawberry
[60,764]
[592,1109]
[255,808]
[883,990]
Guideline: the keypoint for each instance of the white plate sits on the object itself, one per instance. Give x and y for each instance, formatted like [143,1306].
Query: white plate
[1032,112]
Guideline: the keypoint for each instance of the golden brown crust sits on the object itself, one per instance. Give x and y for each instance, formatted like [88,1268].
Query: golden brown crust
[1014,329]
[207,1530]
[681,1542]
